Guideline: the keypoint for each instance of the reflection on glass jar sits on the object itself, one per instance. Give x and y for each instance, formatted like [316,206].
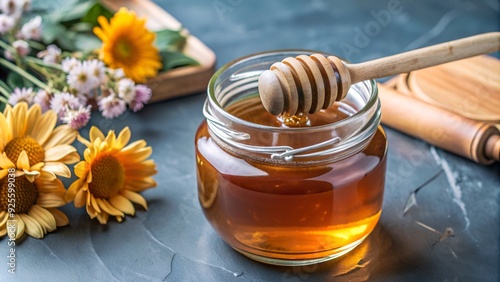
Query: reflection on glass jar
[289,195]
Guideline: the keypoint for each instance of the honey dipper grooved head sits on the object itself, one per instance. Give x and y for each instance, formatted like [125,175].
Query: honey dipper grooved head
[305,84]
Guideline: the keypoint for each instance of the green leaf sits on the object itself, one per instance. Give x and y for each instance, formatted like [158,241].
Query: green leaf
[5,86]
[94,12]
[51,30]
[2,106]
[86,42]
[16,80]
[172,60]
[72,13]
[167,39]
[82,27]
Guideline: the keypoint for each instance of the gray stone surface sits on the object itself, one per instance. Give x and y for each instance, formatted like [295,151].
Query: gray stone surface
[172,241]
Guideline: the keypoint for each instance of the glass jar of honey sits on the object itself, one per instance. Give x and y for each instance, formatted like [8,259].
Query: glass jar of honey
[289,190]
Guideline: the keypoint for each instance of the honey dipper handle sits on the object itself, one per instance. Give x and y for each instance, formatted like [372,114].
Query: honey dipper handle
[426,57]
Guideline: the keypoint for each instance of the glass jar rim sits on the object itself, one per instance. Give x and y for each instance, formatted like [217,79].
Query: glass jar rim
[214,103]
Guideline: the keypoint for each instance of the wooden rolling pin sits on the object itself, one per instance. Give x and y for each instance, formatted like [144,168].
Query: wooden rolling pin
[307,84]
[478,141]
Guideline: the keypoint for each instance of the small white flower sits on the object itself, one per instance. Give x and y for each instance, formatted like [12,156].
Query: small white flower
[111,106]
[42,98]
[21,95]
[69,63]
[117,73]
[32,29]
[63,101]
[8,55]
[22,47]
[126,90]
[97,69]
[50,56]
[77,118]
[6,23]
[81,79]
[14,8]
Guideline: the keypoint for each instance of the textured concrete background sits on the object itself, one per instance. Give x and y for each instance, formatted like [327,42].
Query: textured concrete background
[172,240]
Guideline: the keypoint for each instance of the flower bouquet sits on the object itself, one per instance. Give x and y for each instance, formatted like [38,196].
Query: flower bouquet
[58,66]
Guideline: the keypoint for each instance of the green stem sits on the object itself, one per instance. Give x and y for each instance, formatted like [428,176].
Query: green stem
[5,93]
[22,72]
[7,47]
[5,86]
[36,45]
[42,63]
[2,99]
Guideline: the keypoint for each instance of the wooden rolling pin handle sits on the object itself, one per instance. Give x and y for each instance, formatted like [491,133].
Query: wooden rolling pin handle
[478,141]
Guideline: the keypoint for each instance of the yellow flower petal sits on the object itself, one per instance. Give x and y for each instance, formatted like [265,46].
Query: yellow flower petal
[80,198]
[34,115]
[32,227]
[123,138]
[62,134]
[121,203]
[96,133]
[23,161]
[6,133]
[58,152]
[59,216]
[44,128]
[57,168]
[135,198]
[19,224]
[16,119]
[44,217]
[108,208]
[102,217]
[50,200]
[5,162]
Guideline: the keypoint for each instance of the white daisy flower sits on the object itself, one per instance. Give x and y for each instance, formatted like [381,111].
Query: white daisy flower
[50,56]
[97,69]
[22,47]
[6,23]
[69,63]
[126,90]
[21,95]
[81,79]
[42,98]
[32,29]
[14,8]
[61,102]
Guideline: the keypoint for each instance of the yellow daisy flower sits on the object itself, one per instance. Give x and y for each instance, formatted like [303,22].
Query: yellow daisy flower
[35,207]
[128,44]
[111,175]
[30,140]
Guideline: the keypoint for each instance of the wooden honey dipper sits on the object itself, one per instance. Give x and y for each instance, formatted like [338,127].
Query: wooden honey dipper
[307,84]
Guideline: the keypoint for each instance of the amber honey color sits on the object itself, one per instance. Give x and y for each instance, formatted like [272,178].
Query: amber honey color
[290,213]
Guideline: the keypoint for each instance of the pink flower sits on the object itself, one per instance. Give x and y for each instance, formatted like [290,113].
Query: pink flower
[126,90]
[78,118]
[50,56]
[42,98]
[111,106]
[22,47]
[8,55]
[6,23]
[142,96]
[21,95]
[32,29]
[62,102]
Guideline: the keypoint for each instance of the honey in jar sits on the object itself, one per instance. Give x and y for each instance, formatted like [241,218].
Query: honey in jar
[289,191]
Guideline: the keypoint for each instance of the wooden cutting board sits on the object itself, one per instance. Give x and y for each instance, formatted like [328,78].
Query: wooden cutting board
[178,81]
[469,87]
